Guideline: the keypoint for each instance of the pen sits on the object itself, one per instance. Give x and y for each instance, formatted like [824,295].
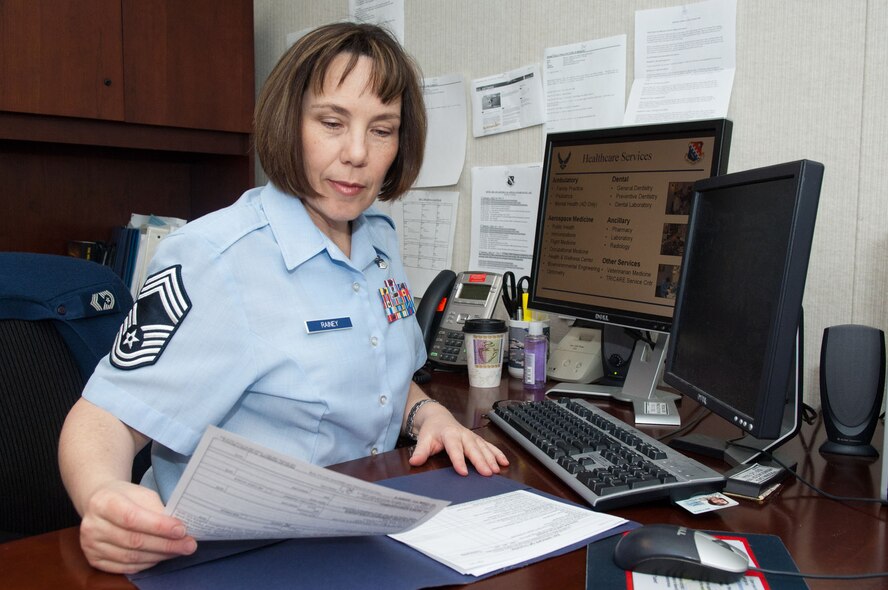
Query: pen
[526,312]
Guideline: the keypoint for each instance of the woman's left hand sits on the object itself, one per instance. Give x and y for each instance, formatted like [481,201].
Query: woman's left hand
[439,431]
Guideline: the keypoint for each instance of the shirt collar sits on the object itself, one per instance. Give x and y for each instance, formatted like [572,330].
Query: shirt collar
[299,238]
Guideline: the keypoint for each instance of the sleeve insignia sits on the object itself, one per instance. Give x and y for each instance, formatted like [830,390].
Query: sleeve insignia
[157,314]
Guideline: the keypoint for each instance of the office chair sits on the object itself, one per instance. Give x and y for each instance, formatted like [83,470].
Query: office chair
[58,317]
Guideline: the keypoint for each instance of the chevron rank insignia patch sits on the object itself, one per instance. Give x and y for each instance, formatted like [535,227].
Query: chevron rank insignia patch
[159,310]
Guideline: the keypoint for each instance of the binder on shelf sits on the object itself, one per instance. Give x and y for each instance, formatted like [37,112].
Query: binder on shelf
[149,238]
[132,247]
[122,241]
[150,230]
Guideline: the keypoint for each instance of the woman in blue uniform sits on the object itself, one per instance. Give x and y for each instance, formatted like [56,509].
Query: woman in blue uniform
[285,317]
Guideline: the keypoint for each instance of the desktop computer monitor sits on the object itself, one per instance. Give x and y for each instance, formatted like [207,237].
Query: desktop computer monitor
[736,337]
[610,236]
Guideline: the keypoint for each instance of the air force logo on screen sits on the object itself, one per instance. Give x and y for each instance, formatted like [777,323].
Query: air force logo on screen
[157,314]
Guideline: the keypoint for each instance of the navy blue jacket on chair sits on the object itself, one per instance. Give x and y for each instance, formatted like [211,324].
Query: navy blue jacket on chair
[58,317]
[86,300]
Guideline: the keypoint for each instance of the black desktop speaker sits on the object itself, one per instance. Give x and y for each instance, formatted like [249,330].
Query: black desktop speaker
[852,382]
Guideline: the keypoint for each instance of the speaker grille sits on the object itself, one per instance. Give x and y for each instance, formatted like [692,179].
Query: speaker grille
[851,370]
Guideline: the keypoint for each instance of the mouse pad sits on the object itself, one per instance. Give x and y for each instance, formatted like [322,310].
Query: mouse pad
[768,551]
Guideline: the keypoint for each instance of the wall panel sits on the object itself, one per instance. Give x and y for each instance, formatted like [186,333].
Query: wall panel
[810,83]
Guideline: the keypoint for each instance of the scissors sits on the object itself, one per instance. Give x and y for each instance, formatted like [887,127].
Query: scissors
[513,290]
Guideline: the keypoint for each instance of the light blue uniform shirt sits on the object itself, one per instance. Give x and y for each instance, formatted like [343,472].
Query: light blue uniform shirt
[242,358]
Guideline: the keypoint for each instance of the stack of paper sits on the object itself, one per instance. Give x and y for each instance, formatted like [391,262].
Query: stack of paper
[151,230]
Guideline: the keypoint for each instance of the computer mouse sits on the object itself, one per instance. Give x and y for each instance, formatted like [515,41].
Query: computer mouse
[680,552]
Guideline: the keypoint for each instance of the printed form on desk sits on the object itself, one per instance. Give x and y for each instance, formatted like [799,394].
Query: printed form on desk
[235,489]
[494,533]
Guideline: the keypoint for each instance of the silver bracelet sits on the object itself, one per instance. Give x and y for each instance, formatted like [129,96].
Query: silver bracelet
[412,415]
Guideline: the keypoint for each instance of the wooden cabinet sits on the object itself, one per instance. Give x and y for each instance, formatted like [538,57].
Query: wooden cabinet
[109,107]
[62,58]
[189,64]
[158,62]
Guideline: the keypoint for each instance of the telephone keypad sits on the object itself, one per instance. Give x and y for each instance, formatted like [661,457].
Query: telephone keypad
[449,346]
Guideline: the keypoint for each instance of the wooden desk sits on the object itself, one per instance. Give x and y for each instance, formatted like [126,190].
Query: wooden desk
[822,535]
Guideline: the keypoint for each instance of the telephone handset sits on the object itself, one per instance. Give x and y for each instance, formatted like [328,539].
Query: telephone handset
[468,295]
[431,306]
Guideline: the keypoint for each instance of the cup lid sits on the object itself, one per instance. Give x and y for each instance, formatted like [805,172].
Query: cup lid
[484,326]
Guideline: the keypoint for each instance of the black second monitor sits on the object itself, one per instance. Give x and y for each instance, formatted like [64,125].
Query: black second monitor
[735,344]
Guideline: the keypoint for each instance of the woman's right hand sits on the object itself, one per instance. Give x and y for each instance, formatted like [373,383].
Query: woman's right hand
[124,529]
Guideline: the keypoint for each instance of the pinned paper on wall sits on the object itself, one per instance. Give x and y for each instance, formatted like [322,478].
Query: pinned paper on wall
[685,59]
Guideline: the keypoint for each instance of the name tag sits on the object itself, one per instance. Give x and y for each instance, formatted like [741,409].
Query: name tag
[315,326]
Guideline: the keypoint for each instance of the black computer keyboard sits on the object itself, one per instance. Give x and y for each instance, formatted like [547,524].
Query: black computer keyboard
[603,459]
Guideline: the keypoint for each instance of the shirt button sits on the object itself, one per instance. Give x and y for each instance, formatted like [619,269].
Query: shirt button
[374,341]
[374,451]
[356,287]
[383,400]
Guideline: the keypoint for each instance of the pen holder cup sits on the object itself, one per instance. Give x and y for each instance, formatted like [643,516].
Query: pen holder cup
[517,333]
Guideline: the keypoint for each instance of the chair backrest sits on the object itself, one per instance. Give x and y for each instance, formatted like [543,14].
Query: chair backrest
[58,317]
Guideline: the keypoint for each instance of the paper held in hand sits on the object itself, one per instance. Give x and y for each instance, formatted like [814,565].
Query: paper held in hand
[233,488]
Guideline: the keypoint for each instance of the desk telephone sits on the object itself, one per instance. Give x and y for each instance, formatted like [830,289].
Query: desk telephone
[449,301]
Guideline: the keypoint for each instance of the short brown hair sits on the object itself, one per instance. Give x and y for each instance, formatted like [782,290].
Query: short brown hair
[278,118]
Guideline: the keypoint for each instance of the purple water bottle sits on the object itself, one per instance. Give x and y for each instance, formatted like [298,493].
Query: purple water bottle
[536,348]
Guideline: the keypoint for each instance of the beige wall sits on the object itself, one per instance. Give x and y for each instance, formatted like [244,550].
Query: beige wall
[811,83]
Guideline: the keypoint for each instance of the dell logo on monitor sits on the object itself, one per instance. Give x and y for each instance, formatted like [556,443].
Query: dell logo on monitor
[602,316]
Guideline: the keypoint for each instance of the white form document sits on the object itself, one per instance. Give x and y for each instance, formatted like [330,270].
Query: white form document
[486,535]
[508,101]
[233,488]
[685,59]
[585,85]
[445,147]
[426,225]
[505,200]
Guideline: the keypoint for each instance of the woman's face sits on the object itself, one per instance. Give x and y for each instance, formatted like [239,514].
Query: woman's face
[349,141]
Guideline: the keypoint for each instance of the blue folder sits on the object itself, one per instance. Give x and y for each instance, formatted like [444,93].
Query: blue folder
[342,562]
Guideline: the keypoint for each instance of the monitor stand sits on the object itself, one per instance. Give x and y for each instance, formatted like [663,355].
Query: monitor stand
[745,450]
[748,449]
[651,405]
